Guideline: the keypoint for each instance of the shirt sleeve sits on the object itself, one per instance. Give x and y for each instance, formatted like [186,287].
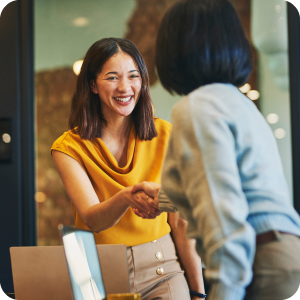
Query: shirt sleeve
[69,145]
[201,177]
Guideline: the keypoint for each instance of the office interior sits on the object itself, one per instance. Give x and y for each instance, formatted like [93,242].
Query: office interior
[42,46]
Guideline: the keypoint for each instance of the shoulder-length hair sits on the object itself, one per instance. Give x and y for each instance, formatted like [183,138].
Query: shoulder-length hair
[86,118]
[201,42]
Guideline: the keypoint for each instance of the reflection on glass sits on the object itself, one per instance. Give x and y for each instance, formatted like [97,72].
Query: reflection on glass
[270,37]
[83,266]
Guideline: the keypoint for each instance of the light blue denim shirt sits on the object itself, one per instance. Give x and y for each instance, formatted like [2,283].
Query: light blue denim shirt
[223,171]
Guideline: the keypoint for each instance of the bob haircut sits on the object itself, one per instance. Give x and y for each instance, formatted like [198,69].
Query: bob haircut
[86,118]
[201,42]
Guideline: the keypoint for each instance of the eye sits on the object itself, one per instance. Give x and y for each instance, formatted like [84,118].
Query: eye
[111,78]
[134,76]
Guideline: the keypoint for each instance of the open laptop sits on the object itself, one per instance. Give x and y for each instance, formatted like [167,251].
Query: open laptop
[42,272]
[83,264]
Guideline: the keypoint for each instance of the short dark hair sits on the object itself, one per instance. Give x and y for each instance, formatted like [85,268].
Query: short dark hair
[86,113]
[201,42]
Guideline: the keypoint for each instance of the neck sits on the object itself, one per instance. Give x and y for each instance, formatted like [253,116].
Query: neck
[117,127]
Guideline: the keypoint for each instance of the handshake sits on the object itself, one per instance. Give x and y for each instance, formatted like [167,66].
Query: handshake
[157,201]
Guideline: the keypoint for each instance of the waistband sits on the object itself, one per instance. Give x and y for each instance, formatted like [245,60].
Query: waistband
[270,236]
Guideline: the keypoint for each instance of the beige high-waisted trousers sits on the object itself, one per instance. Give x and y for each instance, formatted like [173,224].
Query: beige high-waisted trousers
[155,272]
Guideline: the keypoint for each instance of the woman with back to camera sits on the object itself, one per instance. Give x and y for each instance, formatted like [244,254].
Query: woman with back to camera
[222,167]
[114,142]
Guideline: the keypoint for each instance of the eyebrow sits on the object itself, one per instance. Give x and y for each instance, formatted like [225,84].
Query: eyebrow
[117,72]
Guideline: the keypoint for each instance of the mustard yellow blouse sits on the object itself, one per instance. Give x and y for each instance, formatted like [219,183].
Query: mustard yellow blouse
[144,163]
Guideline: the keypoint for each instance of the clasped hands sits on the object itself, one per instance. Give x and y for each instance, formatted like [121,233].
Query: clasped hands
[148,193]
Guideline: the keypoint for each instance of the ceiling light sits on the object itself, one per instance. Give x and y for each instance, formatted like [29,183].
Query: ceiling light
[40,197]
[272,118]
[278,8]
[80,22]
[245,88]
[77,66]
[6,138]
[253,95]
[279,133]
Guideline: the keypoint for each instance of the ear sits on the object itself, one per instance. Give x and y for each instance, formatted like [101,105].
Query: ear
[93,86]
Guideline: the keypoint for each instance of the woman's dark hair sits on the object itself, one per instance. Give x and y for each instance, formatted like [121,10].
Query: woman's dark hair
[201,42]
[86,113]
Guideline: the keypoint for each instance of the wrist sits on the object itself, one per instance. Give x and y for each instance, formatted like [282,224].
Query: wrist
[126,196]
[197,294]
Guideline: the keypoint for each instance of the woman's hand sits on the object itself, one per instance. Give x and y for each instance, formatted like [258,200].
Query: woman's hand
[150,188]
[140,202]
[151,215]
[154,212]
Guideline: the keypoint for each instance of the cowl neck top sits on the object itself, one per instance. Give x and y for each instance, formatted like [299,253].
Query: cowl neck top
[144,163]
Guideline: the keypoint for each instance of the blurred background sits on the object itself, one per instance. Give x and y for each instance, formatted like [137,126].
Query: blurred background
[65,29]
[42,44]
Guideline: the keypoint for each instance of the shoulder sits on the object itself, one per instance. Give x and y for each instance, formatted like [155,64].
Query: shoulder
[162,126]
[181,110]
[71,144]
[67,138]
[209,102]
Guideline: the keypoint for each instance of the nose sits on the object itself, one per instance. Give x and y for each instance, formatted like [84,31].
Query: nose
[124,86]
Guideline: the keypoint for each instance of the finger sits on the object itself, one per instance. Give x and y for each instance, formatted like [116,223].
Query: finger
[154,207]
[141,214]
[140,203]
[137,187]
[152,216]
[155,214]
[140,194]
[153,203]
[145,216]
[142,206]
[138,213]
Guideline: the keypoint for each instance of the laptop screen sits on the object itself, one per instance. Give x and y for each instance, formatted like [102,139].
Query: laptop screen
[83,264]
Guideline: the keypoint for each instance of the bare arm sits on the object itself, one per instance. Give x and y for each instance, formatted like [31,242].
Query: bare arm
[187,254]
[97,216]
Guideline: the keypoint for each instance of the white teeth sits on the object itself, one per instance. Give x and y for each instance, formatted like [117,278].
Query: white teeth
[124,99]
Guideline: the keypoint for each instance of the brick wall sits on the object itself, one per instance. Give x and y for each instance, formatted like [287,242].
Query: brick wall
[54,90]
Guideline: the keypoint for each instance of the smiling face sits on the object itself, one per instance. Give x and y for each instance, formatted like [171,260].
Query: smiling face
[118,85]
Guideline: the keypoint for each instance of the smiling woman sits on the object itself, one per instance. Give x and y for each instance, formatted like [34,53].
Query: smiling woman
[113,143]
[110,66]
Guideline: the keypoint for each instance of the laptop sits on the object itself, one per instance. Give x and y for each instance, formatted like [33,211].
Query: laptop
[42,272]
[83,264]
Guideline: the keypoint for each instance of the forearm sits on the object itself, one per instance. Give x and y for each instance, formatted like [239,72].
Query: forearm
[190,260]
[106,214]
[191,263]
